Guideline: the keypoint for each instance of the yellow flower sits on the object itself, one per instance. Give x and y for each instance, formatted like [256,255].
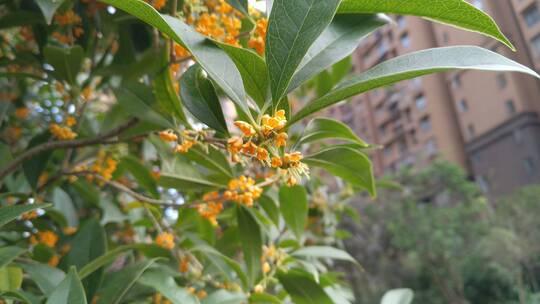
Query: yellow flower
[246,128]
[180,51]
[266,267]
[165,240]
[53,262]
[70,230]
[262,25]
[249,148]
[281,139]
[22,113]
[276,162]
[258,288]
[258,44]
[234,144]
[291,181]
[71,121]
[168,136]
[262,154]
[47,238]
[28,216]
[201,294]
[62,133]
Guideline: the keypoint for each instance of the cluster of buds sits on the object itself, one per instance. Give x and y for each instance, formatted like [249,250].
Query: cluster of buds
[272,257]
[157,298]
[62,133]
[165,240]
[201,294]
[71,20]
[263,142]
[243,191]
[211,208]
[184,142]
[47,238]
[257,42]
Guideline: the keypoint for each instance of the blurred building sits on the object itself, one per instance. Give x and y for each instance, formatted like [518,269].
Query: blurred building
[487,122]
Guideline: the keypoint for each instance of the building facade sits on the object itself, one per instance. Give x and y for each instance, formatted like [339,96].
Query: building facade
[487,122]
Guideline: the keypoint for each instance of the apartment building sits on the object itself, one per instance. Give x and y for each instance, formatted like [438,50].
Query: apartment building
[487,122]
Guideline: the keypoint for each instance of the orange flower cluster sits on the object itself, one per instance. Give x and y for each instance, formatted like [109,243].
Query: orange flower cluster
[243,190]
[104,166]
[157,298]
[71,19]
[258,41]
[67,18]
[22,113]
[211,208]
[188,139]
[47,238]
[157,4]
[28,216]
[201,294]
[62,133]
[165,240]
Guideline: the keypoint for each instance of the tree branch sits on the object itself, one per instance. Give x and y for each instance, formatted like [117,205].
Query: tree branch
[66,144]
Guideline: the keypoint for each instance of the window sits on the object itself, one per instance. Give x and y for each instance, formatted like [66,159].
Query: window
[510,107]
[531,15]
[401,22]
[405,41]
[431,147]
[529,166]
[535,45]
[456,81]
[463,106]
[501,81]
[425,124]
[420,102]
[471,130]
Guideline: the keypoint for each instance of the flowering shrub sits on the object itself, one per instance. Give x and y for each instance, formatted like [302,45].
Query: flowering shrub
[150,151]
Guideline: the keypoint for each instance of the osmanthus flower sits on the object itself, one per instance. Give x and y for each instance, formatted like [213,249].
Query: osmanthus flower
[165,240]
[62,133]
[47,238]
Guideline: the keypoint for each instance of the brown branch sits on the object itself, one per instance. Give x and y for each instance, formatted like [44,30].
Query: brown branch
[66,144]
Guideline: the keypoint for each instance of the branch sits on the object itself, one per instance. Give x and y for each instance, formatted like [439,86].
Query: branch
[66,144]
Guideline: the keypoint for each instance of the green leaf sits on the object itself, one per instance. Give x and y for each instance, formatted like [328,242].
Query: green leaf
[302,288]
[222,262]
[63,203]
[324,252]
[45,276]
[271,208]
[264,298]
[48,8]
[398,296]
[249,234]
[37,164]
[10,278]
[165,284]
[138,100]
[213,59]
[118,283]
[253,70]
[9,253]
[212,159]
[17,295]
[458,13]
[326,128]
[292,28]
[225,297]
[69,291]
[240,5]
[141,174]
[337,42]
[67,62]
[415,65]
[293,204]
[149,250]
[201,100]
[9,213]
[349,164]
[164,90]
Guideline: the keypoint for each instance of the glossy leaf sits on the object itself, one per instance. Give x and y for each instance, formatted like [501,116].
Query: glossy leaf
[164,90]
[69,291]
[9,253]
[62,202]
[66,62]
[326,128]
[264,298]
[302,288]
[415,65]
[293,27]
[324,252]
[271,208]
[253,70]
[240,5]
[349,164]
[45,276]
[48,8]
[338,41]
[9,213]
[117,284]
[138,100]
[34,167]
[249,234]
[212,159]
[201,100]
[398,296]
[163,283]
[213,60]
[20,18]
[293,204]
[458,13]
[222,262]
